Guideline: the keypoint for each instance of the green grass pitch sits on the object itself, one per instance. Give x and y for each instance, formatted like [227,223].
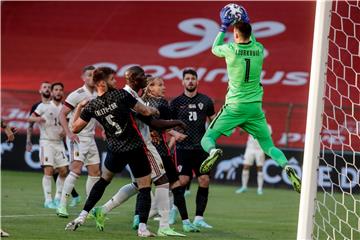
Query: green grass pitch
[246,216]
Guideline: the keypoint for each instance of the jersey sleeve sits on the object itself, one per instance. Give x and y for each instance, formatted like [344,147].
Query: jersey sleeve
[39,110]
[173,110]
[219,49]
[33,107]
[164,109]
[127,98]
[86,113]
[72,100]
[144,119]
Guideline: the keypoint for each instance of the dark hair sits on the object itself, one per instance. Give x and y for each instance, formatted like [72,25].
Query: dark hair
[102,73]
[132,73]
[88,67]
[190,71]
[244,28]
[57,84]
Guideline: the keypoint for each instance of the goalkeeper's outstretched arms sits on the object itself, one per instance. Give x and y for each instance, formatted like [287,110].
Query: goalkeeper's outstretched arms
[227,17]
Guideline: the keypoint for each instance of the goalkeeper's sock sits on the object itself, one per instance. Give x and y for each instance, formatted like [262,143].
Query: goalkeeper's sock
[245,177]
[208,141]
[269,148]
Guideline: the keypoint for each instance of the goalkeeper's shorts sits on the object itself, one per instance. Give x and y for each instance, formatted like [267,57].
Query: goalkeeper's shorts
[249,116]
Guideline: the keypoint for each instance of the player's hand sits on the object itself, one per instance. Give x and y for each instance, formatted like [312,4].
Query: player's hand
[40,120]
[73,137]
[226,19]
[154,111]
[28,146]
[179,137]
[182,125]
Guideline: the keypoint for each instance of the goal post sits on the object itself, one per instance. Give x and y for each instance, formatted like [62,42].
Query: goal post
[330,200]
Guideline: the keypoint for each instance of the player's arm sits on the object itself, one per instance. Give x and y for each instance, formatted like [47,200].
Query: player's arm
[218,47]
[65,110]
[79,122]
[167,124]
[35,117]
[10,132]
[145,110]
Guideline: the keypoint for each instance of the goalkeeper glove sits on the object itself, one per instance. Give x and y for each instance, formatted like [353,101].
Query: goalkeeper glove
[226,18]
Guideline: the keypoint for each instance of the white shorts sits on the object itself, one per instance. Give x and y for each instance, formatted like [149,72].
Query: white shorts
[52,153]
[254,154]
[157,166]
[86,151]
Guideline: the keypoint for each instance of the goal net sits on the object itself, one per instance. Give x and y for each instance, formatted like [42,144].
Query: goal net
[335,211]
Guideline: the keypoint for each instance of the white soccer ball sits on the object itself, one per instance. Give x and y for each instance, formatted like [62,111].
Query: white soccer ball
[235,11]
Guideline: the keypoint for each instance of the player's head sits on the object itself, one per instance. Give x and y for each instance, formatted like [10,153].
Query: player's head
[87,75]
[45,89]
[242,31]
[190,80]
[104,77]
[155,87]
[135,77]
[57,91]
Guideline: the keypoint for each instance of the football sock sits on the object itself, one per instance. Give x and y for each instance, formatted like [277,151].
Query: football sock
[268,147]
[260,179]
[95,194]
[59,187]
[179,201]
[201,200]
[245,177]
[46,183]
[208,141]
[143,204]
[68,187]
[124,193]
[90,181]
[162,202]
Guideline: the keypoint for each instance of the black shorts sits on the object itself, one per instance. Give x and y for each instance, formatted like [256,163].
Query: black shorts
[137,160]
[170,168]
[190,160]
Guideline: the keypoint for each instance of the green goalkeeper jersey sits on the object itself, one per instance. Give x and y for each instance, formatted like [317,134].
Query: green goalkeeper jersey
[244,65]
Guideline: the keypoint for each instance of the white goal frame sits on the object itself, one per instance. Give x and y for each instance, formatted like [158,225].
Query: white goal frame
[314,119]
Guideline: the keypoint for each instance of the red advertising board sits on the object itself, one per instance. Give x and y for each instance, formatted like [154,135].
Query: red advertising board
[52,41]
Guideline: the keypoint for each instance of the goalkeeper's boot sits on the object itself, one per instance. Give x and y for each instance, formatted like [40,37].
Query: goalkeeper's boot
[189,227]
[167,231]
[209,162]
[99,217]
[241,190]
[73,225]
[200,223]
[173,215]
[136,222]
[75,201]
[259,191]
[62,212]
[49,204]
[295,180]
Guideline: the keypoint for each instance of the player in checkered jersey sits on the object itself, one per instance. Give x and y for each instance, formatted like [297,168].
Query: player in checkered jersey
[52,150]
[82,146]
[195,109]
[112,109]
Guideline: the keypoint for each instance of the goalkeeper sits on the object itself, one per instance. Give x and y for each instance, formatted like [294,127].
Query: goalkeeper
[243,106]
